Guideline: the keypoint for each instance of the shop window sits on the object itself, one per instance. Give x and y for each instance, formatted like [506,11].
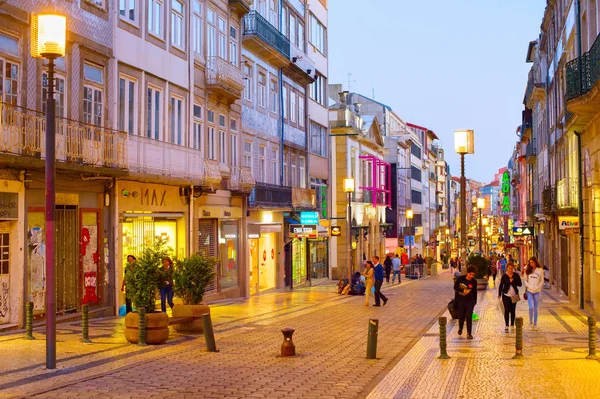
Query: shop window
[207,243]
[228,254]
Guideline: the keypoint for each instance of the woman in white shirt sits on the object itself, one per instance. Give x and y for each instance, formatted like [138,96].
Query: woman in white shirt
[534,281]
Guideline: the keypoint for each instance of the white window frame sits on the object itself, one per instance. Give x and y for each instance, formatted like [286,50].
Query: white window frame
[222,38]
[247,160]
[302,171]
[286,160]
[198,26]
[176,120]
[293,21]
[275,165]
[211,152]
[60,104]
[262,89]
[233,45]
[234,149]
[293,106]
[129,5]
[13,97]
[293,172]
[129,117]
[318,35]
[262,164]
[248,71]
[197,130]
[223,147]
[285,102]
[156,17]
[152,118]
[301,110]
[273,95]
[211,33]
[177,24]
[91,117]
[273,12]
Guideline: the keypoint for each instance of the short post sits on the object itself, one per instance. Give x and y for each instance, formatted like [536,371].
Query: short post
[29,320]
[519,339]
[209,335]
[288,348]
[85,324]
[372,339]
[592,341]
[443,354]
[142,326]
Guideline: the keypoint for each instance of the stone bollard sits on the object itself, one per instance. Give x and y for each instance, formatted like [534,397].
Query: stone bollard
[372,339]
[288,348]
[519,339]
[209,335]
[29,320]
[443,354]
[85,324]
[142,326]
[592,340]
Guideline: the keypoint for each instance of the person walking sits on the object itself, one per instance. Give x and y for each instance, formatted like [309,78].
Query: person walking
[396,265]
[128,268]
[387,265]
[465,297]
[369,280]
[166,291]
[534,281]
[378,282]
[508,291]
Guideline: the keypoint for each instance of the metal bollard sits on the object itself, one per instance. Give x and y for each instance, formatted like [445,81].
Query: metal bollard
[85,324]
[29,320]
[142,326]
[372,339]
[592,341]
[209,335]
[443,354]
[519,339]
[288,348]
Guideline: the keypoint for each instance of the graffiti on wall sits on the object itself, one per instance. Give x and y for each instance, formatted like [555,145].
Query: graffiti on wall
[90,258]
[4,299]
[37,266]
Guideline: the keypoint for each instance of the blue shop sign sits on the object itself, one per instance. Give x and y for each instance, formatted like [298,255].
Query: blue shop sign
[309,217]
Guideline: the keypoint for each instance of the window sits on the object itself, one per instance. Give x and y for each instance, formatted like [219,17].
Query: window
[284,20]
[92,105]
[98,3]
[275,166]
[60,98]
[318,140]
[211,33]
[127,105]
[292,35]
[177,26]
[301,113]
[234,150]
[222,39]
[416,197]
[262,8]
[9,81]
[153,107]
[233,45]
[318,90]
[211,116]
[233,125]
[210,143]
[285,103]
[223,146]
[317,34]
[286,161]
[262,82]
[229,254]
[417,219]
[93,73]
[273,96]
[272,13]
[196,139]
[197,26]
[293,106]
[293,175]
[415,173]
[155,17]
[415,150]
[176,121]
[222,120]
[247,160]
[302,171]
[127,9]
[262,166]
[301,36]
[248,79]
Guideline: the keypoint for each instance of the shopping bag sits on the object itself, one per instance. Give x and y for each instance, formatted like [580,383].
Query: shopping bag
[500,306]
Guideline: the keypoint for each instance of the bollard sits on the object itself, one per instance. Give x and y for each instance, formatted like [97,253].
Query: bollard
[142,326]
[29,320]
[209,335]
[519,339]
[592,342]
[288,348]
[85,324]
[443,354]
[372,339]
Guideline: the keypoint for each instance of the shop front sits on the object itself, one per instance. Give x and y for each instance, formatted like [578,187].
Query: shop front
[264,258]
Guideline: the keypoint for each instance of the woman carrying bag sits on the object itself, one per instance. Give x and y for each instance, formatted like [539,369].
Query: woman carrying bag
[534,281]
[509,292]
[369,274]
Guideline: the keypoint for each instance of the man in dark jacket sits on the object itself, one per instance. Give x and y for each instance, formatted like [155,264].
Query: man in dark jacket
[378,281]
[465,297]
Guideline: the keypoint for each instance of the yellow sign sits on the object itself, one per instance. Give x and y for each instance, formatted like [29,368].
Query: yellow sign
[336,231]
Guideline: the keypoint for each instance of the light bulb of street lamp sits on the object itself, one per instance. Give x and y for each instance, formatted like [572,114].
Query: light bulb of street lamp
[481,203]
[349,185]
[484,221]
[464,142]
[48,35]
[409,213]
[447,231]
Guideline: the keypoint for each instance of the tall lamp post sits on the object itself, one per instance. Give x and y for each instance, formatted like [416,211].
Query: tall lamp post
[349,189]
[48,37]
[409,217]
[480,206]
[448,249]
[464,143]
[485,222]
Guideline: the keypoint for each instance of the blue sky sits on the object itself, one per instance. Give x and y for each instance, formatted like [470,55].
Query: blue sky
[442,64]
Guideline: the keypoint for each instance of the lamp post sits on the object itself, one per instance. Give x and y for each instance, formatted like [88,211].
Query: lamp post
[485,222]
[464,143]
[448,249]
[480,206]
[48,37]
[409,217]
[349,189]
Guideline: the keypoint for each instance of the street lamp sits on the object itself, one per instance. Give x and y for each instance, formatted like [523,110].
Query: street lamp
[409,217]
[448,249]
[48,38]
[480,206]
[464,143]
[349,189]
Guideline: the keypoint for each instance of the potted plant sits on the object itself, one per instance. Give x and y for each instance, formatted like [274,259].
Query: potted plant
[482,264]
[142,280]
[445,259]
[430,267]
[191,277]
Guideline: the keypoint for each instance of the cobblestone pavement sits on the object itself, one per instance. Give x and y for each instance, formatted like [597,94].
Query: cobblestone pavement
[330,339]
[554,364]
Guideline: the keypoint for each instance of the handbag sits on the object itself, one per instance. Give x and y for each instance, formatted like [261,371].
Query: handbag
[515,298]
[525,296]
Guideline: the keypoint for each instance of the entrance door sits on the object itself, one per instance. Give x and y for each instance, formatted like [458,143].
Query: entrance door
[254,273]
[564,264]
[67,258]
[4,268]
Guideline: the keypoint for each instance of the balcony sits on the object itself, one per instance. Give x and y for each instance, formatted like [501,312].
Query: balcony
[567,195]
[533,209]
[527,116]
[224,79]
[240,180]
[304,198]
[549,200]
[367,198]
[171,161]
[241,7]
[301,68]
[432,176]
[23,131]
[270,196]
[531,151]
[265,40]
[583,91]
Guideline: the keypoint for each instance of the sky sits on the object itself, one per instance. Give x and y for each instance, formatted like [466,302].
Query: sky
[442,64]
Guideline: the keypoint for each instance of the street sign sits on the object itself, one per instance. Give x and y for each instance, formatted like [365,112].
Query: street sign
[309,217]
[568,222]
[409,241]
[336,231]
[523,231]
[303,231]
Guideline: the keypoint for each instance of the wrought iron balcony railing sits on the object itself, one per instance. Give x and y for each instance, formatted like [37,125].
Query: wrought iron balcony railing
[583,72]
[223,76]
[23,131]
[549,200]
[531,149]
[256,25]
[270,195]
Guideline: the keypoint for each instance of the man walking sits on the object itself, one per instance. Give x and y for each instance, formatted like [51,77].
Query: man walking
[396,266]
[378,282]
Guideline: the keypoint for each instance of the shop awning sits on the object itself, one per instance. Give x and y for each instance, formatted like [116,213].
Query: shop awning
[172,215]
[291,221]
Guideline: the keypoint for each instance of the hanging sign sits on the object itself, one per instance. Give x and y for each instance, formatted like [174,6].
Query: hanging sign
[523,231]
[9,206]
[303,231]
[568,222]
[336,231]
[309,217]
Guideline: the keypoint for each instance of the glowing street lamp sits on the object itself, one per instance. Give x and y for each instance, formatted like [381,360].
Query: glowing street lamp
[349,189]
[409,217]
[480,206]
[464,143]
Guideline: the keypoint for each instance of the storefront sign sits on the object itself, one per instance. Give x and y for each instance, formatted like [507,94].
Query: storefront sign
[9,206]
[523,231]
[154,197]
[568,222]
[221,212]
[309,217]
[303,230]
[253,231]
[323,202]
[505,188]
[336,231]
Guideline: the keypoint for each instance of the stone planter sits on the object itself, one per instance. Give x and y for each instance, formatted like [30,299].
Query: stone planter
[482,284]
[157,328]
[194,327]
[446,266]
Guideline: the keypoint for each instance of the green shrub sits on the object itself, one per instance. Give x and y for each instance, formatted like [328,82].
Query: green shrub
[143,277]
[192,276]
[481,263]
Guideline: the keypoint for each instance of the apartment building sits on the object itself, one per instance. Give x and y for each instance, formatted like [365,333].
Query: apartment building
[419,187]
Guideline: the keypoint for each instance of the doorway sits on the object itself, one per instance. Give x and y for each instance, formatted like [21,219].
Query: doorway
[564,264]
[4,277]
[67,258]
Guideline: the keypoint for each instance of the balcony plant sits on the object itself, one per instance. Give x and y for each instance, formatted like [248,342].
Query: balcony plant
[191,278]
[482,264]
[142,280]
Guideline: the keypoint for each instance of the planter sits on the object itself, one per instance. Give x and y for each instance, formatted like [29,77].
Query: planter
[482,284]
[157,328]
[446,266]
[196,326]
